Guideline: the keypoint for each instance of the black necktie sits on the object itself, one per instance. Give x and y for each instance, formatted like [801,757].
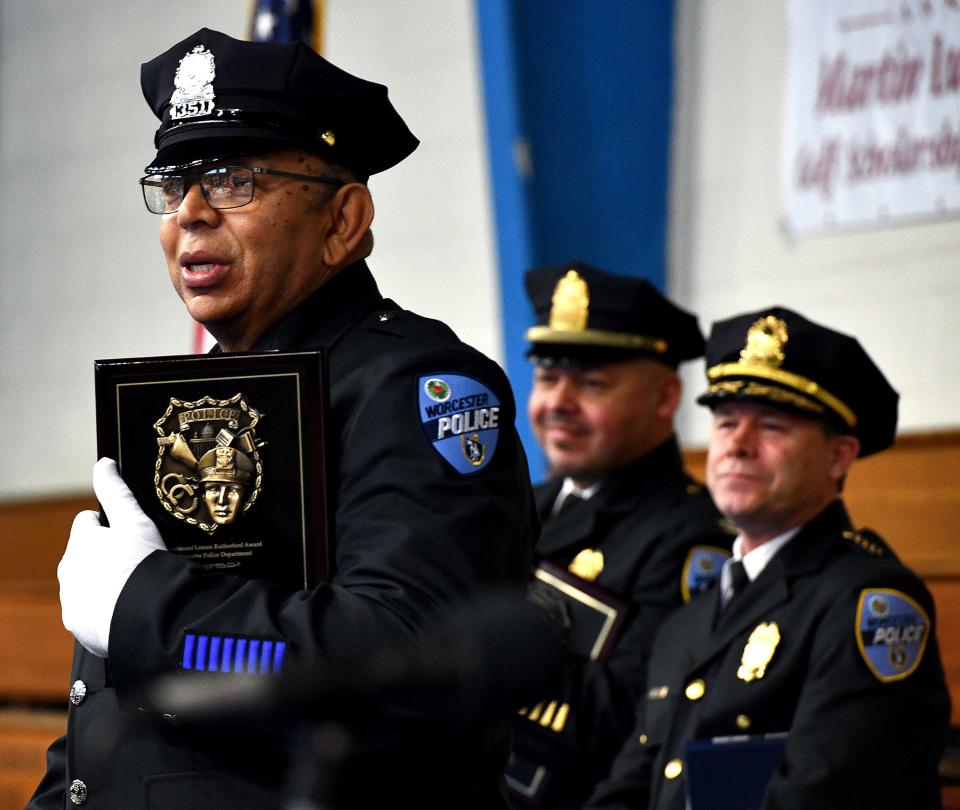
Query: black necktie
[738,580]
[570,501]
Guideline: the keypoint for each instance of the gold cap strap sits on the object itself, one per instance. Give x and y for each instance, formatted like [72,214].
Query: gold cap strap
[596,337]
[796,381]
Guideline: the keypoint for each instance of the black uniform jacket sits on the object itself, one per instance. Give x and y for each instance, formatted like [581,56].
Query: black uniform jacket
[413,535]
[855,741]
[648,520]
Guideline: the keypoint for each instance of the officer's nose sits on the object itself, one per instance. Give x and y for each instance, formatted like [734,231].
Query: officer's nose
[194,206]
[562,396]
[742,440]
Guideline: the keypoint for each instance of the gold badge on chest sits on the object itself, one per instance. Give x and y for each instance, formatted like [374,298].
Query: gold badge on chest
[588,564]
[758,651]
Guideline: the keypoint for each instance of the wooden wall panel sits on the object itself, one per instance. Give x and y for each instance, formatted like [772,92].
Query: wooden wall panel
[24,738]
[33,535]
[34,647]
[946,596]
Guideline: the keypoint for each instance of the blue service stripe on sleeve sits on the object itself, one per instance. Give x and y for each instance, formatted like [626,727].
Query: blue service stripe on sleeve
[253,656]
[213,660]
[240,659]
[278,650]
[266,655]
[226,659]
[202,642]
[189,642]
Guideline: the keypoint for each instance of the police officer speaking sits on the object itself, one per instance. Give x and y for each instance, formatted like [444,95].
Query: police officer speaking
[260,187]
[817,632]
[624,528]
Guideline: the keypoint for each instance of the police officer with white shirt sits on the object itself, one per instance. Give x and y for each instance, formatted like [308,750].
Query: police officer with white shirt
[625,529]
[819,633]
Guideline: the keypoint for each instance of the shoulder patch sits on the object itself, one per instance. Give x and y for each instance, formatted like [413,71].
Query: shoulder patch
[892,632]
[701,570]
[460,417]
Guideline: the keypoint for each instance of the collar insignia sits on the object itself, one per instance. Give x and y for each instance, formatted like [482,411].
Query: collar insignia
[193,85]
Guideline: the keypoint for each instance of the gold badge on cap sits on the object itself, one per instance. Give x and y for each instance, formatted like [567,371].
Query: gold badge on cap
[588,564]
[570,304]
[193,83]
[759,650]
[765,341]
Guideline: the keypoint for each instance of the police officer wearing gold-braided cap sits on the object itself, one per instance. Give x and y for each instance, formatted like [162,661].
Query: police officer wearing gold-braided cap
[623,524]
[822,634]
[259,180]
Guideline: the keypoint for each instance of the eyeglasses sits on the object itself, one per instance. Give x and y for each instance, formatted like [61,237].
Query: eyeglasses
[222,187]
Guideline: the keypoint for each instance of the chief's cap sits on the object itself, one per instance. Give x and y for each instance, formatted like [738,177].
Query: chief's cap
[586,315]
[219,97]
[778,356]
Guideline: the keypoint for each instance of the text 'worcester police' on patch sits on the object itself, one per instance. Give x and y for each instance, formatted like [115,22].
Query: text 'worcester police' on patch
[461,419]
[892,632]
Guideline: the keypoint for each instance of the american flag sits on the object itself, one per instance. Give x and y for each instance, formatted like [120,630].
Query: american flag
[285,21]
[275,21]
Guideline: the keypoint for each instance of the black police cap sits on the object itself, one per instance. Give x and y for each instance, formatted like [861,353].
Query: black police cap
[218,97]
[586,315]
[779,357]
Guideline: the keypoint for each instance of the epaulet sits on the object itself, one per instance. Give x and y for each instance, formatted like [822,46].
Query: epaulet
[383,318]
[869,541]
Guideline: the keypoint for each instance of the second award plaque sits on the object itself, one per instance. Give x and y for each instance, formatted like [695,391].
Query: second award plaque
[226,454]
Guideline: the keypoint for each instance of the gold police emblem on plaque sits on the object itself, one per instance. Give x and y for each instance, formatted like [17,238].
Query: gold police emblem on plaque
[759,650]
[208,471]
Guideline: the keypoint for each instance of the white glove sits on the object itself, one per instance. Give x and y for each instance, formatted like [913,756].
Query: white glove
[99,560]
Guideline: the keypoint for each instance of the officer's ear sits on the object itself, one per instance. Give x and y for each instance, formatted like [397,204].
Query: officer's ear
[844,451]
[350,213]
[668,394]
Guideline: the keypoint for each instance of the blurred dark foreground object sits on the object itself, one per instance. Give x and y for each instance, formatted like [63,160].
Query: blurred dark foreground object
[485,661]
[490,656]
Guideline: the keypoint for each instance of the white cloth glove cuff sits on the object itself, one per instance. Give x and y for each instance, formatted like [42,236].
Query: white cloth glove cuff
[99,560]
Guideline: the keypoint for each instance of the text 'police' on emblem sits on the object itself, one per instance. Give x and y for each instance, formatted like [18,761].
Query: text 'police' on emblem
[891,632]
[208,471]
[460,417]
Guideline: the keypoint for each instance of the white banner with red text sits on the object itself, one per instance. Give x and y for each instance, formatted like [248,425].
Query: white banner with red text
[872,123]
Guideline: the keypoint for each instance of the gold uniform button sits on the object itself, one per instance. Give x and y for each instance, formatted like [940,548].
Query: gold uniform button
[673,769]
[643,739]
[695,689]
[743,722]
